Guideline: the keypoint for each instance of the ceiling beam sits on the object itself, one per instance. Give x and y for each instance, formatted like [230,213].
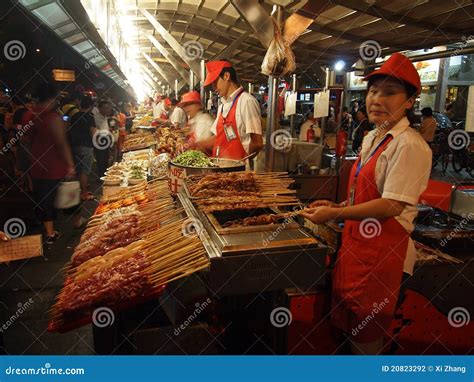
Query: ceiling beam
[182,72]
[380,12]
[160,71]
[229,50]
[258,18]
[191,55]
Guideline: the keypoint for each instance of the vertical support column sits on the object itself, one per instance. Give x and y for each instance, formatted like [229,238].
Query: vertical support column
[191,80]
[272,109]
[292,117]
[176,88]
[203,77]
[324,119]
[271,122]
[442,84]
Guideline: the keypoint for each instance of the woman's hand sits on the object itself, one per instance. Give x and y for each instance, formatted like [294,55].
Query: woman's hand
[4,236]
[323,203]
[321,214]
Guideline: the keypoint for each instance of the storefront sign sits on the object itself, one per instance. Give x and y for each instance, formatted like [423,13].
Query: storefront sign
[356,82]
[428,70]
[64,75]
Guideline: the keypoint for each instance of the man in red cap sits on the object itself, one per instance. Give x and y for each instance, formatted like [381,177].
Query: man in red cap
[392,171]
[237,131]
[199,121]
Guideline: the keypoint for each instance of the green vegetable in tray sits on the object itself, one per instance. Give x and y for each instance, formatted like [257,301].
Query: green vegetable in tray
[194,158]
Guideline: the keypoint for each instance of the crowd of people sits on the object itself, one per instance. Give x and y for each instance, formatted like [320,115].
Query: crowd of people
[50,137]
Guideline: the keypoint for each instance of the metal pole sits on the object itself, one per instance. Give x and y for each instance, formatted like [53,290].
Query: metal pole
[203,76]
[271,122]
[324,119]
[272,109]
[292,117]
[176,88]
[191,80]
[250,88]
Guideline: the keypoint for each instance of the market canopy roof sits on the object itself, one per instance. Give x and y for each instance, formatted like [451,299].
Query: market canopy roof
[337,33]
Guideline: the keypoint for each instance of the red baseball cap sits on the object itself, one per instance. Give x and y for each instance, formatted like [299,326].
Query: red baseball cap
[214,68]
[190,98]
[167,102]
[401,68]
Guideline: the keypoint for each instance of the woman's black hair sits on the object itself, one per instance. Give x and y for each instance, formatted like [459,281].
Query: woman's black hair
[46,91]
[410,90]
[87,102]
[427,112]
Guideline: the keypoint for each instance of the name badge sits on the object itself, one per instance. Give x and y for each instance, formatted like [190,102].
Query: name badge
[229,132]
[352,195]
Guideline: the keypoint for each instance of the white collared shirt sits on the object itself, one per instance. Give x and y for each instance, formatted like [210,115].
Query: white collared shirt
[101,122]
[402,173]
[201,125]
[158,109]
[247,116]
[179,116]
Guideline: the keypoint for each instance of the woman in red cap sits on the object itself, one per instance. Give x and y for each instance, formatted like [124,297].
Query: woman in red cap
[237,131]
[199,121]
[385,184]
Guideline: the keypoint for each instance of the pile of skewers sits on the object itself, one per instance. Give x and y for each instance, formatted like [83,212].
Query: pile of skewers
[169,141]
[120,227]
[140,194]
[241,190]
[127,275]
[138,141]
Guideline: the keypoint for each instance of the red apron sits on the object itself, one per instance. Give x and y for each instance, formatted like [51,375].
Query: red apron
[164,115]
[229,147]
[369,268]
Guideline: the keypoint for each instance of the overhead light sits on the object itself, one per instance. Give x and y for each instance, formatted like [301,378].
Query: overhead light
[338,66]
[38,50]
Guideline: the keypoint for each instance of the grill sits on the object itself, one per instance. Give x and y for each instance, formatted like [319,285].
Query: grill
[270,258]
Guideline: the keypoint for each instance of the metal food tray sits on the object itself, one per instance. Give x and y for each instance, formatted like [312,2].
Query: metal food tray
[211,216]
[254,262]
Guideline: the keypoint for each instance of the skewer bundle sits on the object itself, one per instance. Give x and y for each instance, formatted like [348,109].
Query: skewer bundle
[121,227]
[241,190]
[128,275]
